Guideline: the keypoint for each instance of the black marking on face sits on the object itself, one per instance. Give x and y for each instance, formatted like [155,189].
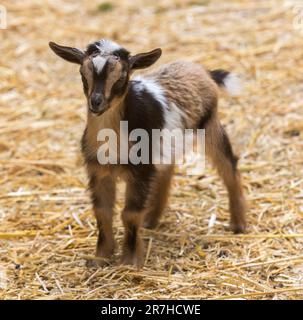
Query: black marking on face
[92,48]
[85,84]
[102,81]
[122,53]
[99,79]
[121,85]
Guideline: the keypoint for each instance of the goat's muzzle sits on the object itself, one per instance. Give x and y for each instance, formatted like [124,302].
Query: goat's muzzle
[97,104]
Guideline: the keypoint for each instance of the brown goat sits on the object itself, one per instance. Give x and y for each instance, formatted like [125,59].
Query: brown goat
[177,95]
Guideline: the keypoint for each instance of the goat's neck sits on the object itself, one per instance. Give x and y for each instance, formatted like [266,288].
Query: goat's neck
[109,120]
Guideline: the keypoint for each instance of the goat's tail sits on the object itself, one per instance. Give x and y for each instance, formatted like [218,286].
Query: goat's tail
[227,80]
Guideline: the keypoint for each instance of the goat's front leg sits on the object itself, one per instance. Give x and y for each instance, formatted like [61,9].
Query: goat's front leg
[103,192]
[137,191]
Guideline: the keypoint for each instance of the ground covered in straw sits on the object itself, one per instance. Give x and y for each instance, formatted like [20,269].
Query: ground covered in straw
[47,229]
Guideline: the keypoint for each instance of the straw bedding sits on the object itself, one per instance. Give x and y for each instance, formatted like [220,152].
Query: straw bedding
[47,229]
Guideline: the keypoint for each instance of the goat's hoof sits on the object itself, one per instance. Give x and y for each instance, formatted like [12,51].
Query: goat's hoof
[135,260]
[237,228]
[150,224]
[96,263]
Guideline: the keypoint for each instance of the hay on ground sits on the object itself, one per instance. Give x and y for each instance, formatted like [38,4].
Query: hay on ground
[47,229]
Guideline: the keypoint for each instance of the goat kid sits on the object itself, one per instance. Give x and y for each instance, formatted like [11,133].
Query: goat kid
[177,95]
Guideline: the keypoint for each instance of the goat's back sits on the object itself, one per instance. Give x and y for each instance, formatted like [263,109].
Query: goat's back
[189,90]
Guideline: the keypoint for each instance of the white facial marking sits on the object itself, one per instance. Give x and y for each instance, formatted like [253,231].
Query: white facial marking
[107,46]
[98,63]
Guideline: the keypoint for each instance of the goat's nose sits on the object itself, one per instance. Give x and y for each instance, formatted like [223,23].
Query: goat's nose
[96,100]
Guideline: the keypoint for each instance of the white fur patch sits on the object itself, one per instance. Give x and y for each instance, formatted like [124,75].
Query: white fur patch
[153,88]
[233,85]
[98,63]
[172,114]
[173,117]
[107,46]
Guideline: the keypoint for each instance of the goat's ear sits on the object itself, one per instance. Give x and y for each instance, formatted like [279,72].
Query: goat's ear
[144,60]
[70,54]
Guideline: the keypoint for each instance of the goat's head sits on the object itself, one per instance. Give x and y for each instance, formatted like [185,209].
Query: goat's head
[105,68]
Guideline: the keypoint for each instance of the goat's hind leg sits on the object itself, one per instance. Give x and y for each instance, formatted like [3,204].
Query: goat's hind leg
[220,150]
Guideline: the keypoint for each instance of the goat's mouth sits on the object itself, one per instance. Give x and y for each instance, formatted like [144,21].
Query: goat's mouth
[97,113]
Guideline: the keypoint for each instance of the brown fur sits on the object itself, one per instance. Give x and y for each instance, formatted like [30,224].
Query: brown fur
[103,198]
[112,78]
[87,70]
[192,90]
[189,87]
[158,196]
[191,94]
[219,149]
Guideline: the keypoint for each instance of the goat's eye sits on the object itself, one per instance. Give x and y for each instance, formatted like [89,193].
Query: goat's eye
[120,82]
